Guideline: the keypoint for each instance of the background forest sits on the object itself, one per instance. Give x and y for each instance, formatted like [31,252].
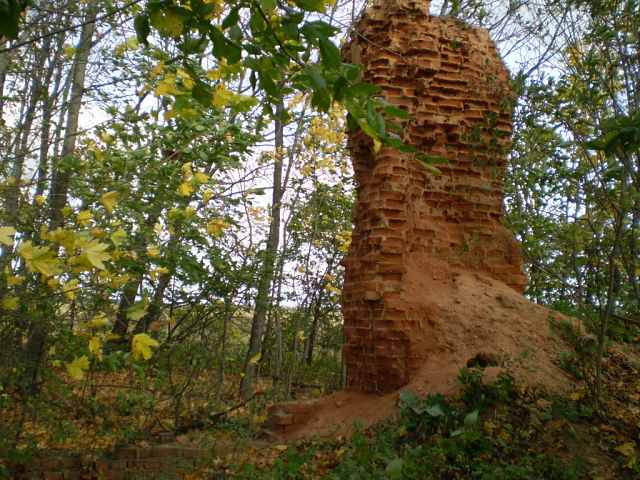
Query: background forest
[175,198]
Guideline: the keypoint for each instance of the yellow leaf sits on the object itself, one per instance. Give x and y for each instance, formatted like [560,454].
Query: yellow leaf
[153,251]
[111,336]
[95,345]
[69,51]
[575,396]
[5,235]
[301,336]
[255,359]
[84,218]
[95,253]
[626,449]
[186,169]
[119,281]
[333,289]
[186,78]
[11,280]
[109,200]
[202,177]
[10,303]
[70,289]
[77,368]
[157,70]
[280,447]
[141,346]
[376,145]
[216,227]
[99,321]
[54,283]
[118,237]
[39,199]
[185,189]
[39,259]
[106,138]
[206,195]
[156,272]
[221,96]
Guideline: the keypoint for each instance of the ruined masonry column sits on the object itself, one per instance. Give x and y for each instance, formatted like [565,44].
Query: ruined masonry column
[450,78]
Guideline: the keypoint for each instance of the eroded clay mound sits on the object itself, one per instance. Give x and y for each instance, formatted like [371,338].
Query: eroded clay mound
[467,318]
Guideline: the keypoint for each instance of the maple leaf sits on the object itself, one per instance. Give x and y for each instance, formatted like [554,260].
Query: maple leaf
[99,321]
[70,289]
[84,218]
[77,368]
[95,254]
[10,303]
[118,237]
[153,251]
[255,359]
[138,310]
[156,272]
[215,227]
[221,96]
[206,195]
[5,235]
[185,189]
[157,70]
[202,177]
[39,259]
[95,345]
[141,346]
[109,200]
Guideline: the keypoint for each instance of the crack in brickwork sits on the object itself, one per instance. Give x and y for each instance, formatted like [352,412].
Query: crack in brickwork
[450,78]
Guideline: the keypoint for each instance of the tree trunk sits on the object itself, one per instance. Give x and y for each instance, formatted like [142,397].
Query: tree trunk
[266,273]
[61,174]
[37,342]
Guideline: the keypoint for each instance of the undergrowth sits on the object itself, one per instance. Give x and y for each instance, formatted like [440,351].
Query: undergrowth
[487,433]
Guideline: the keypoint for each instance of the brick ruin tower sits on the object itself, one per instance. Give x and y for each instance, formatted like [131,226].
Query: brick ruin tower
[450,78]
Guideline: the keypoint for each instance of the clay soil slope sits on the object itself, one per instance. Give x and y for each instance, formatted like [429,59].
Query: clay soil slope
[466,319]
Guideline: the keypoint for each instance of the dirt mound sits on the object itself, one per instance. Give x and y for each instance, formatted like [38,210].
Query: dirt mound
[467,319]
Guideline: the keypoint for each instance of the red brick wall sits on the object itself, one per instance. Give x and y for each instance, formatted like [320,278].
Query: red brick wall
[450,78]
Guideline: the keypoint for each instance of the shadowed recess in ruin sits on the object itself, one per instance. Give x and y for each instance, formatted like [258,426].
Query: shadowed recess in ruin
[450,78]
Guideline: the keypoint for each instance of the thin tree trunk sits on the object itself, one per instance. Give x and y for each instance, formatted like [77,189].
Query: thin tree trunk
[36,345]
[61,176]
[266,273]
[228,313]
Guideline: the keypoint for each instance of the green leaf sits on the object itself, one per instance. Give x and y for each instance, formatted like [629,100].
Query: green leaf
[394,467]
[434,410]
[330,53]
[365,89]
[232,18]
[202,93]
[269,6]
[315,79]
[471,419]
[10,11]
[142,27]
[311,5]
[396,112]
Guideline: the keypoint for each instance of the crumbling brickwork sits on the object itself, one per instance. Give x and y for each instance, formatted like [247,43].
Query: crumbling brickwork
[450,78]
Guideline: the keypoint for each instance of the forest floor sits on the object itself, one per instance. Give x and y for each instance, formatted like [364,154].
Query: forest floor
[503,397]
